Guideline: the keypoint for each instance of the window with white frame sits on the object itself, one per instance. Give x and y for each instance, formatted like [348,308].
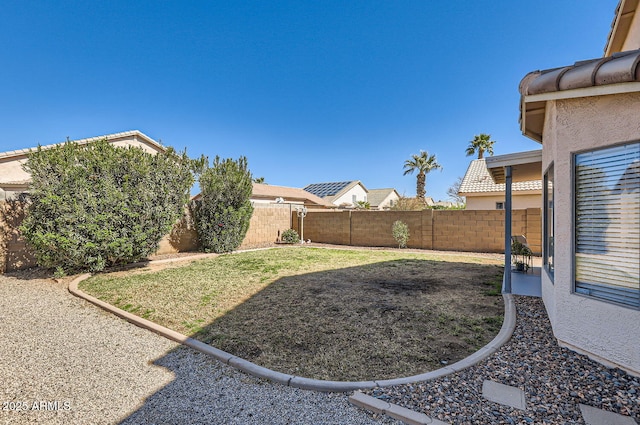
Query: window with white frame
[607,224]
[548,222]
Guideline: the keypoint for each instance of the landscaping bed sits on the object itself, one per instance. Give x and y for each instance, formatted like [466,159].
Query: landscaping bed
[323,313]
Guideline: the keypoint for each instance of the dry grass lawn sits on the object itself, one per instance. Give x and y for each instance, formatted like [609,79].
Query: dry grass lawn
[323,313]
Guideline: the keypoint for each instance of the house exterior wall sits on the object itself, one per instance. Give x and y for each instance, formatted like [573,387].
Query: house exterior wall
[11,167]
[602,330]
[488,202]
[386,203]
[632,41]
[11,170]
[347,197]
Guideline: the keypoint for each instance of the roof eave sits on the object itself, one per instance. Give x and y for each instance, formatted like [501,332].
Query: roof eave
[526,166]
[533,107]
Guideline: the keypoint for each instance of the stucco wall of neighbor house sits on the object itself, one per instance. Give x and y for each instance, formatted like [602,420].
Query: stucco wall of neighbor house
[347,198]
[488,202]
[11,167]
[447,230]
[602,330]
[390,200]
[632,42]
[11,170]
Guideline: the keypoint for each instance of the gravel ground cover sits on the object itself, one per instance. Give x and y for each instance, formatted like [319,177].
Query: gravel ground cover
[63,360]
[555,380]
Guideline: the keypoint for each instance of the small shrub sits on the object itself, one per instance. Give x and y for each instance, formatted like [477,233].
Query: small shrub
[362,205]
[290,236]
[400,233]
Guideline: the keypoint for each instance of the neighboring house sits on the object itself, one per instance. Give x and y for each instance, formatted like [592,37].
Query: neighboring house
[266,193]
[382,199]
[587,118]
[14,180]
[482,193]
[342,194]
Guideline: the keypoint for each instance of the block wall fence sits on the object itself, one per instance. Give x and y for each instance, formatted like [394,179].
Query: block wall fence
[445,230]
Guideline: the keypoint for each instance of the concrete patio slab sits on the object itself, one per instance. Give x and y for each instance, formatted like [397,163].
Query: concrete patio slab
[595,416]
[527,284]
[504,394]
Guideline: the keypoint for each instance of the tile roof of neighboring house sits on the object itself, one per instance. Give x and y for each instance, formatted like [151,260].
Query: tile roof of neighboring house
[376,196]
[332,189]
[137,133]
[622,67]
[267,191]
[478,180]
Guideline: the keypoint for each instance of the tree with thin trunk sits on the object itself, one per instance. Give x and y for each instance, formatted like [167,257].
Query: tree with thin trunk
[424,164]
[454,190]
[481,143]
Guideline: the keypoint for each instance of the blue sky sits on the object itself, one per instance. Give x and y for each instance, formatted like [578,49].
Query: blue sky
[308,91]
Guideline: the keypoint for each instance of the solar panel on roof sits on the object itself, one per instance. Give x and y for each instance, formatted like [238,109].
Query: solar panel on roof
[326,189]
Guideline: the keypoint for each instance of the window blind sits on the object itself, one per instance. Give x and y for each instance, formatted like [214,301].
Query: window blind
[607,224]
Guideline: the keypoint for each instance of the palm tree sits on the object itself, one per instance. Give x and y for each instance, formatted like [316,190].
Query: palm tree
[481,143]
[424,164]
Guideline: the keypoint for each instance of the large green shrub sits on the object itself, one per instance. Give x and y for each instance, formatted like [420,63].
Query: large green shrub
[98,205]
[223,212]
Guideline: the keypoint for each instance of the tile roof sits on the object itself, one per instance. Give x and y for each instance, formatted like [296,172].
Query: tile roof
[144,137]
[622,67]
[478,180]
[376,196]
[329,189]
[287,193]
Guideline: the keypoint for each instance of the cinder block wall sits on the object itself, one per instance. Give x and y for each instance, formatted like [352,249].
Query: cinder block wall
[534,229]
[373,228]
[14,254]
[447,230]
[325,226]
[267,224]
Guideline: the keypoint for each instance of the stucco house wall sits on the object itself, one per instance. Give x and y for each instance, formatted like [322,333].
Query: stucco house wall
[602,330]
[632,41]
[347,197]
[488,201]
[13,179]
[389,201]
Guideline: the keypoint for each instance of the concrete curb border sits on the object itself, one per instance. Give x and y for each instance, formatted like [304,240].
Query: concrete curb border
[508,326]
